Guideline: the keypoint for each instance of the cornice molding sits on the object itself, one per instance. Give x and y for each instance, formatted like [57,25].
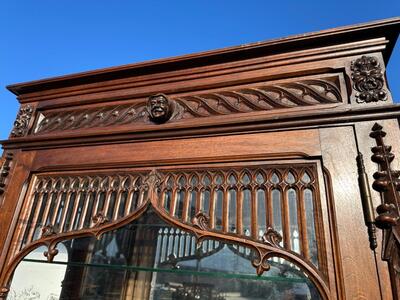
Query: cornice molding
[222,125]
[384,29]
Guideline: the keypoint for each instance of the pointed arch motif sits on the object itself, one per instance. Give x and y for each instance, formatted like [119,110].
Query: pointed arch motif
[111,201]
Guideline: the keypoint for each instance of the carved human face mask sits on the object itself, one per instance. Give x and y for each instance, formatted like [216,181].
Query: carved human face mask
[159,108]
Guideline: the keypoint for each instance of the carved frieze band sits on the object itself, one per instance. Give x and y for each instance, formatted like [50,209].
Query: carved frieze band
[159,108]
[368,80]
[21,123]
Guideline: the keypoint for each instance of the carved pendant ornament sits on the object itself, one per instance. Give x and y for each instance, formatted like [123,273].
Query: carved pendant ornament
[368,80]
[21,123]
[136,192]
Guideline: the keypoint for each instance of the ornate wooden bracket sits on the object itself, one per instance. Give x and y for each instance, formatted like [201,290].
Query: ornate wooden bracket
[387,182]
[368,80]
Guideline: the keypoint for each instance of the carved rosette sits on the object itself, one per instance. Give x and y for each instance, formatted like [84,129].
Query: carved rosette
[368,80]
[21,123]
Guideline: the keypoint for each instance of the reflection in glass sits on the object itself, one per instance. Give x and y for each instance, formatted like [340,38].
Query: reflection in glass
[277,210]
[246,196]
[261,212]
[311,236]
[232,210]
[293,224]
[149,259]
[218,209]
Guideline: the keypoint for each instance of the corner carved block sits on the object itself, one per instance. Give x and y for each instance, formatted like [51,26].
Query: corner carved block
[5,169]
[21,123]
[159,108]
[368,80]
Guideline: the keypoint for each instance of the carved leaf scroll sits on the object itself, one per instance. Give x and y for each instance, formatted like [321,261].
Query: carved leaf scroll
[21,123]
[265,97]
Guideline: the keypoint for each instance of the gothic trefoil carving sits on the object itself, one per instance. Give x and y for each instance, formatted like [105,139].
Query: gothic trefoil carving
[21,123]
[368,80]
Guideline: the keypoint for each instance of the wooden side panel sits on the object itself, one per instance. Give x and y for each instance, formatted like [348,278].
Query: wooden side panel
[301,143]
[365,142]
[339,158]
[13,199]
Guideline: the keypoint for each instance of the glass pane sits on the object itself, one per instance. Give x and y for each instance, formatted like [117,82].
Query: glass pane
[232,210]
[205,201]
[277,211]
[179,204]
[36,279]
[293,224]
[192,206]
[261,212]
[149,259]
[290,178]
[311,236]
[246,212]
[218,209]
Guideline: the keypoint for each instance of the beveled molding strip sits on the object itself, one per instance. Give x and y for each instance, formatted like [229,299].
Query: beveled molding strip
[300,93]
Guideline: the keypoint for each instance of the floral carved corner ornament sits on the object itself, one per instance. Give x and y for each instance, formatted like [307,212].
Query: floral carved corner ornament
[21,123]
[368,80]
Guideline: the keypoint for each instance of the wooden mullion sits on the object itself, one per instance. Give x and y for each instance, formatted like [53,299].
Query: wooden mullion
[211,208]
[302,222]
[185,210]
[285,219]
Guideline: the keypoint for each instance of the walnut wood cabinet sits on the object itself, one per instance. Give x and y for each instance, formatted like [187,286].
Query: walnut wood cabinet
[241,172]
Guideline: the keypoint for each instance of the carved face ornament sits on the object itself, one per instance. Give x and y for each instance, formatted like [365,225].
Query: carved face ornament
[159,108]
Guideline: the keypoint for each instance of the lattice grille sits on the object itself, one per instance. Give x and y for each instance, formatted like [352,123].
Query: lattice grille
[63,204]
[248,201]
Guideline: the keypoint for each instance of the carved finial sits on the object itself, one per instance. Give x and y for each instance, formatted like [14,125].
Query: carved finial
[201,221]
[48,230]
[99,219]
[21,123]
[153,179]
[368,80]
[272,237]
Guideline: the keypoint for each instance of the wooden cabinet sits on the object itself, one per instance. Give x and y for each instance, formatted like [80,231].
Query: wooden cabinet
[242,172]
